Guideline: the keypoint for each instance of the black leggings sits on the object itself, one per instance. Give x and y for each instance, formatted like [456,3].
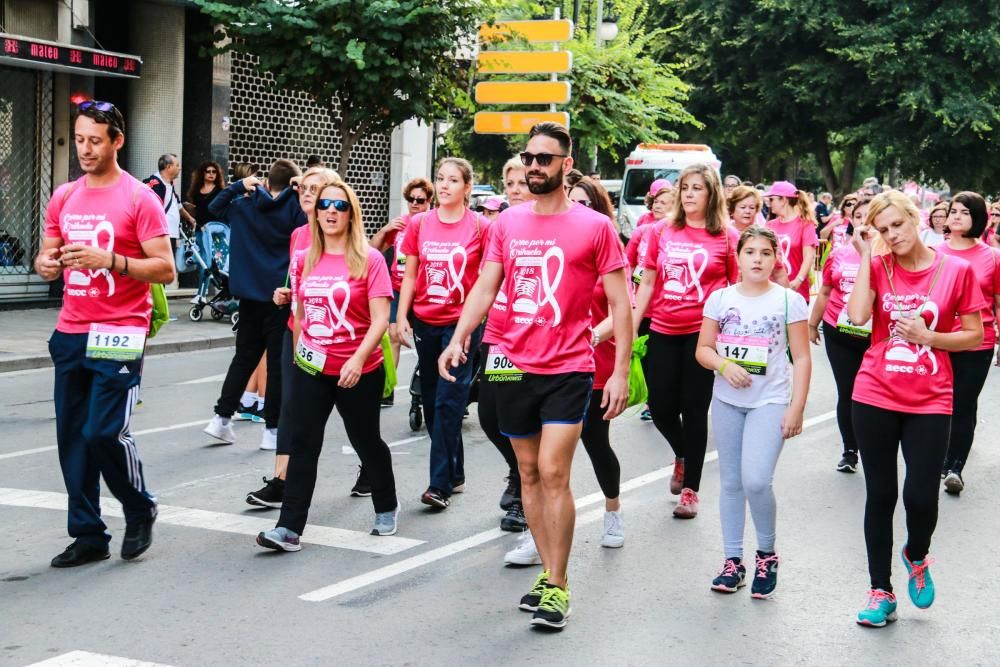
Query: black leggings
[287,364]
[487,406]
[923,439]
[313,399]
[680,393]
[845,353]
[598,445]
[971,369]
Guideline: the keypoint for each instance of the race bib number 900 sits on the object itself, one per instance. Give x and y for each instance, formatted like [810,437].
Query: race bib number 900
[105,341]
[746,351]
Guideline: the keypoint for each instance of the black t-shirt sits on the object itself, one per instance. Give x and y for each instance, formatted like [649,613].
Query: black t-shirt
[201,201]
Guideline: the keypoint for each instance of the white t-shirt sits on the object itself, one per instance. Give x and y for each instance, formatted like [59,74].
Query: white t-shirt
[930,237]
[752,334]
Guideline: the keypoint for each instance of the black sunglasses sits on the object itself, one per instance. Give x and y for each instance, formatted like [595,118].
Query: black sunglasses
[543,159]
[339,205]
[585,202]
[418,201]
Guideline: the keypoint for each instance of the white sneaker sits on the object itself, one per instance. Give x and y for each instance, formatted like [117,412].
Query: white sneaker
[269,439]
[525,553]
[221,429]
[614,530]
[196,299]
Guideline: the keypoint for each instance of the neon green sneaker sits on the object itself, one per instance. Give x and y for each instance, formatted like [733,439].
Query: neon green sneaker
[553,610]
[532,599]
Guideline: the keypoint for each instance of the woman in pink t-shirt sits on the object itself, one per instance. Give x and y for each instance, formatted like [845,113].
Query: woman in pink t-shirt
[835,230]
[342,311]
[846,342]
[691,254]
[744,204]
[444,249]
[967,217]
[904,390]
[794,224]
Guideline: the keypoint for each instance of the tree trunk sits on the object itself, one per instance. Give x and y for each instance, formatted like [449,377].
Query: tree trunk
[822,153]
[347,141]
[851,155]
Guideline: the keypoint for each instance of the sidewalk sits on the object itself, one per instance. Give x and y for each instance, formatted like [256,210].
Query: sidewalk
[24,335]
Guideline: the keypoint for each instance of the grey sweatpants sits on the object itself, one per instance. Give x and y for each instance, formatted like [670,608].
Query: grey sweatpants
[748,441]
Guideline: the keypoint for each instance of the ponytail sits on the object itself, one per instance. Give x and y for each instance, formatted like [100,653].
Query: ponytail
[806,212]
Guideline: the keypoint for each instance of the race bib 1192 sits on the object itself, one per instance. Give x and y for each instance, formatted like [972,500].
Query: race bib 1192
[105,341]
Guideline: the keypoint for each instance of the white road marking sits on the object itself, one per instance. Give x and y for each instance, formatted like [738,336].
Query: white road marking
[347,449]
[241,524]
[88,659]
[210,378]
[26,452]
[352,584]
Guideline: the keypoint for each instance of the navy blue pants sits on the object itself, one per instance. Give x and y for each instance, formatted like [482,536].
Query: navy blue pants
[444,402]
[94,400]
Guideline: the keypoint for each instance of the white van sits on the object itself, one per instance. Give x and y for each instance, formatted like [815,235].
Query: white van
[649,162]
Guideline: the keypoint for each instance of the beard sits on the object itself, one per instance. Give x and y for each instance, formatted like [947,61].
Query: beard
[545,187]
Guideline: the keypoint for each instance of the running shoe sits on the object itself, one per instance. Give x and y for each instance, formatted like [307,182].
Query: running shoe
[732,577]
[435,498]
[646,416]
[879,609]
[921,586]
[687,508]
[766,578]
[848,462]
[245,413]
[531,599]
[269,439]
[677,479]
[953,482]
[553,609]
[385,522]
[258,415]
[269,495]
[514,521]
[525,553]
[613,536]
[458,487]
[221,428]
[279,539]
[388,402]
[362,487]
[511,493]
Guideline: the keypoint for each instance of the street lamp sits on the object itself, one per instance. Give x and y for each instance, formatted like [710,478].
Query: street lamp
[607,27]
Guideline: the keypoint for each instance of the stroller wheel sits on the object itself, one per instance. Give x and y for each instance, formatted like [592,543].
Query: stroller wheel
[416,419]
[195,314]
[216,315]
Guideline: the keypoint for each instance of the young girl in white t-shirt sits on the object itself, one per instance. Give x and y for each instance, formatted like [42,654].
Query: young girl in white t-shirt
[754,336]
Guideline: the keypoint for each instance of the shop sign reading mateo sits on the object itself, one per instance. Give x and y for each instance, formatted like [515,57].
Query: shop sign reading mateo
[26,51]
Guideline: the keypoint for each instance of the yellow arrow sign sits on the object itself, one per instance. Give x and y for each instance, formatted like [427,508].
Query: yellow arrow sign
[525,62]
[523,92]
[559,30]
[516,122]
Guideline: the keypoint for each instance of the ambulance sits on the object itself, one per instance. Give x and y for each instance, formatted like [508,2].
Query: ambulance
[649,162]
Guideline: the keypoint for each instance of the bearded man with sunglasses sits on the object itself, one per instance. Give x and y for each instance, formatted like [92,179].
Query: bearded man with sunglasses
[106,235]
[261,226]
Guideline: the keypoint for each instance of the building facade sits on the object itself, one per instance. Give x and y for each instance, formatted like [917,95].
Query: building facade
[145,56]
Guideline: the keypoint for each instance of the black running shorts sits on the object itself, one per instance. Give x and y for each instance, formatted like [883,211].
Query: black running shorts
[525,404]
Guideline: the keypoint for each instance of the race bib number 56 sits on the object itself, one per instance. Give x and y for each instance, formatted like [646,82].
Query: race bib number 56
[309,358]
[105,341]
[747,351]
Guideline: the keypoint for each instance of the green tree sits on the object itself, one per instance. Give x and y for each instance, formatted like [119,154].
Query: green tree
[380,61]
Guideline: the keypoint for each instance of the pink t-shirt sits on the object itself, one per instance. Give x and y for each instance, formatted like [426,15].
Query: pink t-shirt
[398,269]
[299,243]
[839,237]
[336,309]
[900,376]
[985,263]
[645,219]
[448,265]
[793,236]
[496,319]
[636,251]
[120,218]
[840,272]
[551,263]
[690,264]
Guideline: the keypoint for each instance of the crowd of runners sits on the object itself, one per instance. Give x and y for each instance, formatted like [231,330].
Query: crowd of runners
[535,313]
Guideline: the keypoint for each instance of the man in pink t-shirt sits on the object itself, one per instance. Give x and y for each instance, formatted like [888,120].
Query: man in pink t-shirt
[106,236]
[547,256]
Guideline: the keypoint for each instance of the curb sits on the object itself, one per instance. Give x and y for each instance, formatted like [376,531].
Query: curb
[154,348]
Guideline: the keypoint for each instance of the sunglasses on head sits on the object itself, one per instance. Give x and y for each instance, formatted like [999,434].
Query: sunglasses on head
[103,107]
[417,201]
[339,205]
[302,189]
[543,159]
[585,202]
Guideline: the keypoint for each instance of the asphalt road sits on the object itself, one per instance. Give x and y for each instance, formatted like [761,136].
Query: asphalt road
[438,592]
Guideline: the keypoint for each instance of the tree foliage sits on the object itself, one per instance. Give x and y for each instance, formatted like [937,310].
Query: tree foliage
[913,82]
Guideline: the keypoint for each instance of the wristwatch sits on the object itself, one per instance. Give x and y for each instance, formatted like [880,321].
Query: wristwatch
[595,338]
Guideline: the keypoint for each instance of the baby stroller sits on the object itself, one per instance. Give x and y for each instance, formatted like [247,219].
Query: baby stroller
[214,275]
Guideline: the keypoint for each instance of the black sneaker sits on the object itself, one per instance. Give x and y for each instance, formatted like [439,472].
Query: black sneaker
[138,538]
[435,498]
[953,482]
[511,494]
[766,578]
[362,487]
[531,599]
[270,495]
[553,609]
[389,401]
[848,462]
[732,577]
[80,553]
[514,521]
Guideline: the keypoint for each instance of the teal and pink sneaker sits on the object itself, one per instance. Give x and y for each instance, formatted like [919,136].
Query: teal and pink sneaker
[921,586]
[879,609]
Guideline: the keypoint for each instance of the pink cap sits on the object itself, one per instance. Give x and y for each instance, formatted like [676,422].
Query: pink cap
[659,184]
[782,189]
[492,203]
